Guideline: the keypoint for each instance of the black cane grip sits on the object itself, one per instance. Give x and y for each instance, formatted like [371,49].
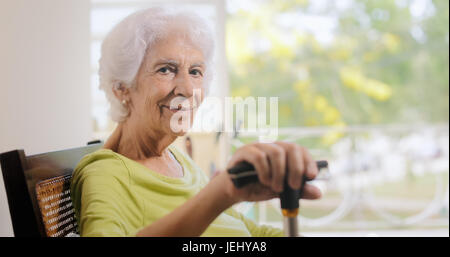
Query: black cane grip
[244,173]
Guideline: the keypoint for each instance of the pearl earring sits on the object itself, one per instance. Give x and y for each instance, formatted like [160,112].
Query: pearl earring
[124,102]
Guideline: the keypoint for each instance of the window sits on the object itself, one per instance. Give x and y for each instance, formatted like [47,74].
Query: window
[363,84]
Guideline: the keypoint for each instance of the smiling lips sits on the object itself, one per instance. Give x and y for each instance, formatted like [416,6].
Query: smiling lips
[175,109]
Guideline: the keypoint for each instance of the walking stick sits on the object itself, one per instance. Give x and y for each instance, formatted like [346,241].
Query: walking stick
[244,173]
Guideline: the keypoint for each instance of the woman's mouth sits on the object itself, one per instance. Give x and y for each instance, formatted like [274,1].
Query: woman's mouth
[178,108]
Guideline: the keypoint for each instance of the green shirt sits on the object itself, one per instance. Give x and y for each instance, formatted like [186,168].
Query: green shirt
[116,196]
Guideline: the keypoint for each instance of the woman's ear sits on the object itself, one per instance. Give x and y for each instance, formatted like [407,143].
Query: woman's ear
[121,92]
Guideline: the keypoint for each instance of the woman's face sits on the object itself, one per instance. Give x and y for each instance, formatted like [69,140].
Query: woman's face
[163,100]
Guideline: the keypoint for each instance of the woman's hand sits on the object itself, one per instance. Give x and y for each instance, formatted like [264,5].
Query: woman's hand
[272,162]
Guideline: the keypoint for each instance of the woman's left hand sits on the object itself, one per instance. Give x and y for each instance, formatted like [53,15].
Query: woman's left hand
[273,162]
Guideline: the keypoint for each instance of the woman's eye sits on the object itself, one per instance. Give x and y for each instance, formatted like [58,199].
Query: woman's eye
[196,73]
[164,70]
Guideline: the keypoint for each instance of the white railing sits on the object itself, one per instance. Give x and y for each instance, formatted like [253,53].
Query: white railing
[381,176]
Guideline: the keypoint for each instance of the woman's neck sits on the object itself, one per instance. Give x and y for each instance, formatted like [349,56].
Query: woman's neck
[136,144]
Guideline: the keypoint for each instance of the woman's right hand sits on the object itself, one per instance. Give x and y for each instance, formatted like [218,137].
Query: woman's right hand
[272,162]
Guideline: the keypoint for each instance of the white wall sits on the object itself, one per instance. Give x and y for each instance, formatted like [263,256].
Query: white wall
[44,79]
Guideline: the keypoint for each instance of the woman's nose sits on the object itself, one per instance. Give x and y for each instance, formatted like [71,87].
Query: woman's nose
[183,85]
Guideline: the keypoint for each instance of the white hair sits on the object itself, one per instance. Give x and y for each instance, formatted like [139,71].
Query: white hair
[124,48]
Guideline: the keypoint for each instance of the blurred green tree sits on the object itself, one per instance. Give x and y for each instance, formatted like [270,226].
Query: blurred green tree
[338,63]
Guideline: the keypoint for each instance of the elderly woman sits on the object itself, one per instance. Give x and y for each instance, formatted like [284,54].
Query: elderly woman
[140,185]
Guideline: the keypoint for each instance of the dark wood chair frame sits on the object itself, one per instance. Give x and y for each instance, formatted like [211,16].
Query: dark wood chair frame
[21,173]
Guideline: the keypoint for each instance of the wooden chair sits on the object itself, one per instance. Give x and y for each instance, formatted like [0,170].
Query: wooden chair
[38,190]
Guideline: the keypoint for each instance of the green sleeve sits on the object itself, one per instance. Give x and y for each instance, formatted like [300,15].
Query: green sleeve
[101,211]
[254,229]
[101,200]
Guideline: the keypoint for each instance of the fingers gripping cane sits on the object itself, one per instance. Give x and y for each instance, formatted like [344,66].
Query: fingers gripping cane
[244,173]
